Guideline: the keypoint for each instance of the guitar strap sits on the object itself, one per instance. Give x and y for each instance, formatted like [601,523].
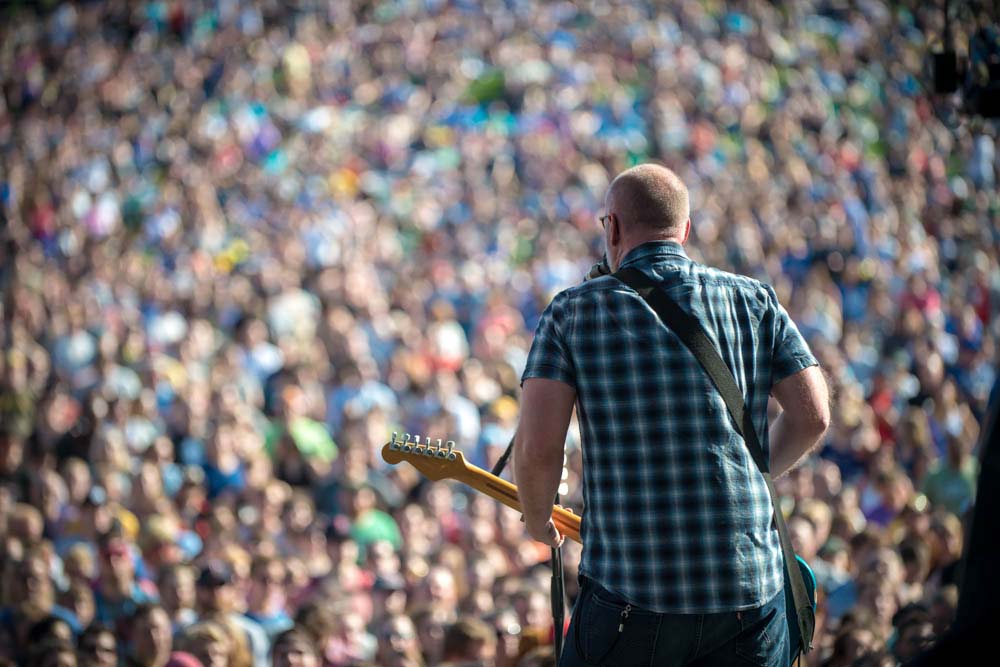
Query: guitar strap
[693,335]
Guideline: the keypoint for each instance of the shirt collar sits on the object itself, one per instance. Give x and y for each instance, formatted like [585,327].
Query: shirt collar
[653,251]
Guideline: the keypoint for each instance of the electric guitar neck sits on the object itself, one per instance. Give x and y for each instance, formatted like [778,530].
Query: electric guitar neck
[437,462]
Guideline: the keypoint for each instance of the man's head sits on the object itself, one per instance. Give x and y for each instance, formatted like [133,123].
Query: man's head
[209,642]
[11,451]
[32,589]
[79,599]
[398,644]
[645,203]
[216,589]
[268,575]
[470,640]
[26,523]
[439,587]
[295,648]
[98,647]
[117,572]
[152,637]
[177,589]
[914,633]
[54,653]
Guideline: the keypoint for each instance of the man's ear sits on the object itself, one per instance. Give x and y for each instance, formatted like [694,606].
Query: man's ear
[687,231]
[616,229]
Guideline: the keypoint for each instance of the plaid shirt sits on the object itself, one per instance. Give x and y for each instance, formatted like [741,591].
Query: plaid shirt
[678,518]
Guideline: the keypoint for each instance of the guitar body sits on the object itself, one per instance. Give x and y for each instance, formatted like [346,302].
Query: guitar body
[794,636]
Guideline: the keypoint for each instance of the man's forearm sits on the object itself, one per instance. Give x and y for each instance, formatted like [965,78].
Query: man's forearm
[791,440]
[536,473]
[546,409]
[805,400]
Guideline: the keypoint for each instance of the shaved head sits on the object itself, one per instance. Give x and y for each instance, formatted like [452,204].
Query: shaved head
[649,196]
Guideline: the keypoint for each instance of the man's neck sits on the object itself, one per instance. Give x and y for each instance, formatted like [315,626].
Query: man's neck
[632,244]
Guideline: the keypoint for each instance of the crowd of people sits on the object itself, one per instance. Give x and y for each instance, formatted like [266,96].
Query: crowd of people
[246,240]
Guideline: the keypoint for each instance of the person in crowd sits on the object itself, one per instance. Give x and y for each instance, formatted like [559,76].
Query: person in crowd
[398,644]
[212,645]
[97,647]
[294,648]
[176,585]
[151,638]
[914,632]
[119,593]
[951,483]
[79,600]
[31,612]
[266,600]
[218,601]
[469,640]
[53,652]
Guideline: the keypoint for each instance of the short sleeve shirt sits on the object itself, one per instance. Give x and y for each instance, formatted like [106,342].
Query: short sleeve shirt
[677,516]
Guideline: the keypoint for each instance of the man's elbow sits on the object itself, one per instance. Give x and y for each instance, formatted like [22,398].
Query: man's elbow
[809,421]
[823,422]
[817,422]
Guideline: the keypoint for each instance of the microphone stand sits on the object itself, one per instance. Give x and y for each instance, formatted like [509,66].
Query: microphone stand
[557,590]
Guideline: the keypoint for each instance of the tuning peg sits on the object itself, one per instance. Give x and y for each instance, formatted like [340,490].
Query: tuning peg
[406,445]
[450,454]
[394,442]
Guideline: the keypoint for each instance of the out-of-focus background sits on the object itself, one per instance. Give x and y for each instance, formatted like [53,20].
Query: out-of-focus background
[245,240]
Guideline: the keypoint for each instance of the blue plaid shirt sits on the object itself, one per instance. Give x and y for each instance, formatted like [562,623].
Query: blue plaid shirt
[677,517]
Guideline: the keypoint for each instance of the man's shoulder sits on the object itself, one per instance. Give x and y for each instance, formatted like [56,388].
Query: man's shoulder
[598,284]
[711,275]
[579,292]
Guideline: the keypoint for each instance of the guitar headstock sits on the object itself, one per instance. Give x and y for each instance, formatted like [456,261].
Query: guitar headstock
[435,461]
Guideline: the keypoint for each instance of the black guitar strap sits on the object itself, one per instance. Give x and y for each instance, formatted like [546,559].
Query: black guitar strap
[693,335]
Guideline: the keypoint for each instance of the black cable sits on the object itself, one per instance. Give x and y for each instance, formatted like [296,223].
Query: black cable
[558,597]
[557,592]
[502,461]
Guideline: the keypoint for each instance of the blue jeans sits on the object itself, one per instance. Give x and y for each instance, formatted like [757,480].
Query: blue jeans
[607,632]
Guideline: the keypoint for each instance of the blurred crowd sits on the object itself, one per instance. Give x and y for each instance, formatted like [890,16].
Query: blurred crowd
[246,240]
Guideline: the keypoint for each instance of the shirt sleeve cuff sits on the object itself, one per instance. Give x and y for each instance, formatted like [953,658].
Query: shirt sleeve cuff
[796,363]
[547,372]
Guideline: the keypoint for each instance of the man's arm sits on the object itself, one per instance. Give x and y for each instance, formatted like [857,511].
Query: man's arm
[546,408]
[805,401]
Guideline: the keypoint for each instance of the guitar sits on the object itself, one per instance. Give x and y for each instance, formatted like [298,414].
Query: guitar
[438,462]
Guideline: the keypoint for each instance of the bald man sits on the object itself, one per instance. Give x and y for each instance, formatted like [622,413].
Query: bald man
[681,564]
